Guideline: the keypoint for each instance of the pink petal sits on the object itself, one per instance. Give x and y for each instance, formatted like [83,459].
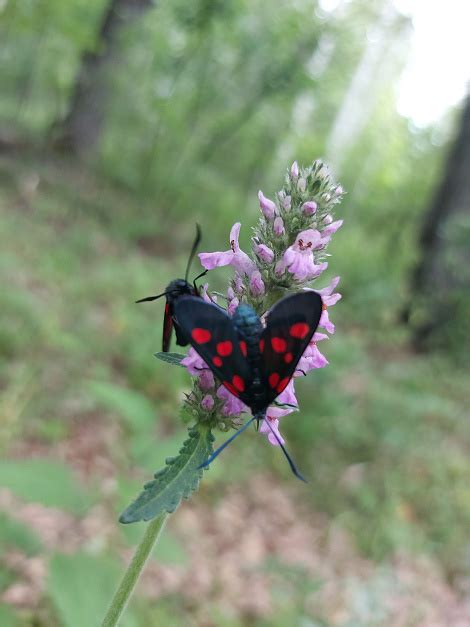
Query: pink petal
[234,235]
[194,363]
[215,260]
[325,322]
[268,207]
[232,406]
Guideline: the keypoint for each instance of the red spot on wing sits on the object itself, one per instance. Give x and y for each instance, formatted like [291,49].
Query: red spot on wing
[261,345]
[167,308]
[288,357]
[299,330]
[217,361]
[273,379]
[238,383]
[201,336]
[231,388]
[224,348]
[279,344]
[282,384]
[243,348]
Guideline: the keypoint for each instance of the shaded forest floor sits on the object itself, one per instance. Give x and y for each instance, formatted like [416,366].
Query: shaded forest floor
[88,415]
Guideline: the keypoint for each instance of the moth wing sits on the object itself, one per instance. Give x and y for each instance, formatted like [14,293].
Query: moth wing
[212,334]
[290,326]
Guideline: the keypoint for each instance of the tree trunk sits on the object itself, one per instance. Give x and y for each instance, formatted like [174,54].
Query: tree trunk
[80,130]
[442,274]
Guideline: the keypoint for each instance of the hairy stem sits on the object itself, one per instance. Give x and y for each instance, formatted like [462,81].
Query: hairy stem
[134,570]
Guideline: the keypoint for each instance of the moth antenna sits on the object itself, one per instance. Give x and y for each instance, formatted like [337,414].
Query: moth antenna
[150,298]
[147,299]
[284,450]
[211,458]
[193,251]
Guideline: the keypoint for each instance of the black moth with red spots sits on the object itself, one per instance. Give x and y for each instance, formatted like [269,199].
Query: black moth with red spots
[176,289]
[253,362]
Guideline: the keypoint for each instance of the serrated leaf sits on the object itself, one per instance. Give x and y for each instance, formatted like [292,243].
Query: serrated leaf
[178,480]
[171,358]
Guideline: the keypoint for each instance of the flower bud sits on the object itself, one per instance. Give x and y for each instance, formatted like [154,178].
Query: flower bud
[301,185]
[233,304]
[206,380]
[294,170]
[309,207]
[256,284]
[264,252]
[286,203]
[268,207]
[207,402]
[279,226]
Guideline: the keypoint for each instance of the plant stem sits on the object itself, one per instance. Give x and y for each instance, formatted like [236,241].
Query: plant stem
[133,572]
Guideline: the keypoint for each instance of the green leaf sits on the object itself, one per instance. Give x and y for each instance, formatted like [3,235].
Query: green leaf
[43,481]
[98,576]
[171,358]
[176,481]
[137,411]
[15,534]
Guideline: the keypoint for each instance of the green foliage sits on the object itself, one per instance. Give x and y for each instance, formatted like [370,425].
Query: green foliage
[176,481]
[8,617]
[80,587]
[170,358]
[15,534]
[42,481]
[133,407]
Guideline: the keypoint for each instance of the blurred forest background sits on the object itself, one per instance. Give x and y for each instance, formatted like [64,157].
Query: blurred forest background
[122,123]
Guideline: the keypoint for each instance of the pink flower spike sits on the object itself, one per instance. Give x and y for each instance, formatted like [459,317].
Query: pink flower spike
[268,207]
[294,170]
[234,257]
[207,402]
[232,405]
[263,252]
[206,380]
[279,226]
[256,284]
[309,207]
[194,363]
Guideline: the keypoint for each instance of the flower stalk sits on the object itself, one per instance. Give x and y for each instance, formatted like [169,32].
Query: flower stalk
[134,570]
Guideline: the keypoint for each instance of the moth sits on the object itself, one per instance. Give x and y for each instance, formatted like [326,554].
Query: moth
[175,290]
[255,362]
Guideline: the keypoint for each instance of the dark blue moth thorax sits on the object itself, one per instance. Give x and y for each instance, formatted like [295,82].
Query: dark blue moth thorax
[249,328]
